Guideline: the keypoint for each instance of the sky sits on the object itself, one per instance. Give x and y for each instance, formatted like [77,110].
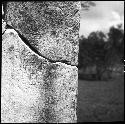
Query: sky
[102,16]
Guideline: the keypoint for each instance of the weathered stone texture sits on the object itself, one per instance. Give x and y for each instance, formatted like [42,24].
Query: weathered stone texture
[33,89]
[51,27]
[3,26]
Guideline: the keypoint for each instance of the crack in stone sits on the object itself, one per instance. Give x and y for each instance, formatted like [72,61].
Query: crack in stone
[34,50]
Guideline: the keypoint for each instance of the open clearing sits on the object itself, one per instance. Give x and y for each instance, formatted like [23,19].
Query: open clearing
[101,100]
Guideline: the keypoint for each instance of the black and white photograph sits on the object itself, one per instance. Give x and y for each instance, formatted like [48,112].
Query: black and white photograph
[62,61]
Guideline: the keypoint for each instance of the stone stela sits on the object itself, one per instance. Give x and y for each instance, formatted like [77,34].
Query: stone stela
[39,62]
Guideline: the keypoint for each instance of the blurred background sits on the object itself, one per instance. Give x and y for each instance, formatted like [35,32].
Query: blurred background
[101,62]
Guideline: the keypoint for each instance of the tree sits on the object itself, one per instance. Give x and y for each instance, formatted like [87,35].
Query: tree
[115,46]
[97,39]
[92,53]
[84,55]
[86,4]
[101,51]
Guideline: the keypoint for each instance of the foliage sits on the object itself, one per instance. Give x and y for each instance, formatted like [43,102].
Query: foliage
[115,51]
[101,51]
[86,4]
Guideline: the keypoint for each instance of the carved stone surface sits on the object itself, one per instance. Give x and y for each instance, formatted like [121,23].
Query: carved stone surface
[51,27]
[33,89]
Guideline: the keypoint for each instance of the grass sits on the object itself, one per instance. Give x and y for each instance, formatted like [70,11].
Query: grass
[101,101]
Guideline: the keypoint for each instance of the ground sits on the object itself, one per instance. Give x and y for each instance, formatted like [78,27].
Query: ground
[101,100]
